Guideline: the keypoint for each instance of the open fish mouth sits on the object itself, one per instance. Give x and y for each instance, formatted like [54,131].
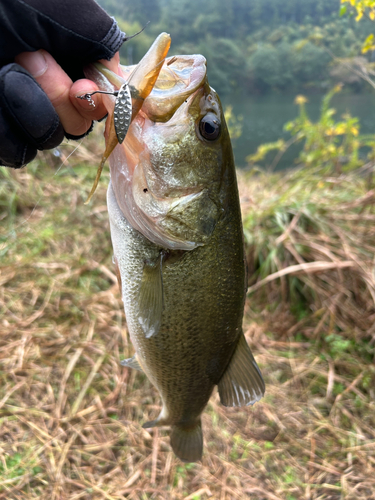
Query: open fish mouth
[154,199]
[154,171]
[178,79]
[143,78]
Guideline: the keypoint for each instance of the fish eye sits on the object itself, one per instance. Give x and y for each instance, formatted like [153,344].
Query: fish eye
[209,127]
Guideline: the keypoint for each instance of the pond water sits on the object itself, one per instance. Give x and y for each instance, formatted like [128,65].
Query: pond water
[264,117]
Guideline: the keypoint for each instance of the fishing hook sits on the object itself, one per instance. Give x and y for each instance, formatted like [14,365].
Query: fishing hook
[123,108]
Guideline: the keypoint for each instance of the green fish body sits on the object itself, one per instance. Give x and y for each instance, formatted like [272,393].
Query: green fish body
[178,245]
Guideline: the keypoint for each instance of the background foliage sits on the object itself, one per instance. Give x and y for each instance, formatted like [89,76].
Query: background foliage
[257,45]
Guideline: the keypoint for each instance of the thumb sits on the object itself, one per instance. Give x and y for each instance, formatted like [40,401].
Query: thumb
[56,84]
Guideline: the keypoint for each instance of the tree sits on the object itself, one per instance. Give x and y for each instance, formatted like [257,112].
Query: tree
[363,8]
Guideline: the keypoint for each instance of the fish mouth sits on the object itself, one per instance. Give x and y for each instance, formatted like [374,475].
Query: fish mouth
[164,118]
[155,201]
[179,78]
[143,79]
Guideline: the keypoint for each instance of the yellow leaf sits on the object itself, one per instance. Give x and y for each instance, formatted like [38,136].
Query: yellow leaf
[372,15]
[340,129]
[354,131]
[368,44]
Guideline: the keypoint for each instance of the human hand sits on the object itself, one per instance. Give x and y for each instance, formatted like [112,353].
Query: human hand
[75,114]
[38,106]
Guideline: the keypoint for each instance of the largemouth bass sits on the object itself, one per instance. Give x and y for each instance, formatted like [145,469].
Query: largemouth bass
[178,246]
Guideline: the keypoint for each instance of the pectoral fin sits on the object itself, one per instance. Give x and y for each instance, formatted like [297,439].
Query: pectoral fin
[132,363]
[151,298]
[242,383]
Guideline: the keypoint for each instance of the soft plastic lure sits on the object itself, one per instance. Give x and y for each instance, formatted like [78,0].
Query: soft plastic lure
[130,96]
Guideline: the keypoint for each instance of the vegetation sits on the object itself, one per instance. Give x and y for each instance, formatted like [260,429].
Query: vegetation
[328,145]
[70,415]
[362,8]
[251,46]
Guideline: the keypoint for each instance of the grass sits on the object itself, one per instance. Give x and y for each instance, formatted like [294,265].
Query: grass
[70,415]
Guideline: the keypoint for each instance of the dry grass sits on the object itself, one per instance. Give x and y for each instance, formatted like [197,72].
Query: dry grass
[320,229]
[70,415]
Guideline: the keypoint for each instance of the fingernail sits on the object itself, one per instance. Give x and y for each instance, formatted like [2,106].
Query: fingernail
[34,62]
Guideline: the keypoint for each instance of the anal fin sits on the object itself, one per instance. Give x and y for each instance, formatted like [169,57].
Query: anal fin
[242,383]
[161,420]
[151,298]
[132,363]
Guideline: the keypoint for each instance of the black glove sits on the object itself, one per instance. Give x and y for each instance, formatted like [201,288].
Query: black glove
[74,32]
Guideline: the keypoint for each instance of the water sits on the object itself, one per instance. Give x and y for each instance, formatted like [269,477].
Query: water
[264,117]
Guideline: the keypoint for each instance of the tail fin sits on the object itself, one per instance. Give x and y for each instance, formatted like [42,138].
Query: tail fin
[187,442]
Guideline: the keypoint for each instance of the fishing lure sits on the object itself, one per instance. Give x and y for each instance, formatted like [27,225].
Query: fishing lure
[122,116]
[129,97]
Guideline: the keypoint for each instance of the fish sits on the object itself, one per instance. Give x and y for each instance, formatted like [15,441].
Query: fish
[178,246]
[137,87]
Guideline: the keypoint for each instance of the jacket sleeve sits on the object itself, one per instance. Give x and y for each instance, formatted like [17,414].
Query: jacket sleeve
[64,28]
[74,32]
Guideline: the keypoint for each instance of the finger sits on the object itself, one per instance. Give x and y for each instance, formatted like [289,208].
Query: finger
[113,64]
[56,84]
[81,87]
[84,107]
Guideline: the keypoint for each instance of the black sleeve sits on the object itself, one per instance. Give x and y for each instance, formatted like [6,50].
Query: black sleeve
[74,32]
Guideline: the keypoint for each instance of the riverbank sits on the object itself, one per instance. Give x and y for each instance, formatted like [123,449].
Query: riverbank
[264,117]
[71,416]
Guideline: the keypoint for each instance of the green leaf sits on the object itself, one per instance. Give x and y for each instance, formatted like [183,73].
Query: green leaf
[343,10]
